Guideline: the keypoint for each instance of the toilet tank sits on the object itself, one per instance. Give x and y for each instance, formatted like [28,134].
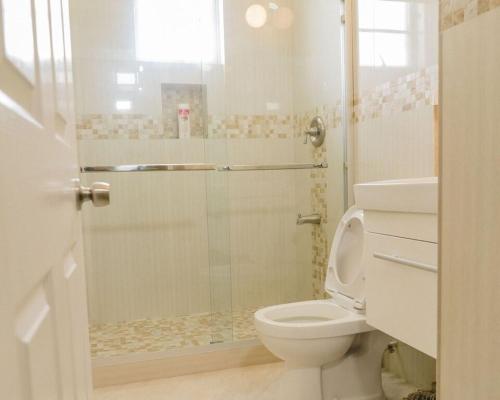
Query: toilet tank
[401,254]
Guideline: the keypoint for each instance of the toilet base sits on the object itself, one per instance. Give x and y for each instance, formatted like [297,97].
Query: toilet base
[358,376]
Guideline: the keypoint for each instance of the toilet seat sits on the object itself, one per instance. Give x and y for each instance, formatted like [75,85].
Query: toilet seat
[343,313]
[345,274]
[309,320]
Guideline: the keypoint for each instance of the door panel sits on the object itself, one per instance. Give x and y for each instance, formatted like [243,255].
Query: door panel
[43,315]
[18,67]
[37,349]
[18,36]
[59,65]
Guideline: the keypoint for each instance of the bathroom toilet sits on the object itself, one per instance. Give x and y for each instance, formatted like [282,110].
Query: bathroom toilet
[330,352]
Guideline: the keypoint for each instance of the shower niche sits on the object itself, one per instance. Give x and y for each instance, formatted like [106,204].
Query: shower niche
[190,98]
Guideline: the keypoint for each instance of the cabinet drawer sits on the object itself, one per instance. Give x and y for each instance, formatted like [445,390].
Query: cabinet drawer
[401,289]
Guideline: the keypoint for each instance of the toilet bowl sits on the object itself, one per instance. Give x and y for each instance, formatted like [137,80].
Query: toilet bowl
[312,334]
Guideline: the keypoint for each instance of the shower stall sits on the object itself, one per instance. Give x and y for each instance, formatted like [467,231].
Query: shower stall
[198,114]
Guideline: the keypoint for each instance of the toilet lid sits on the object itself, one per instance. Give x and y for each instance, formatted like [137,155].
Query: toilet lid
[345,275]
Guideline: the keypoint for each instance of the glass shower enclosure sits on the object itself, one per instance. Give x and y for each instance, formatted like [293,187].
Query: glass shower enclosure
[195,112]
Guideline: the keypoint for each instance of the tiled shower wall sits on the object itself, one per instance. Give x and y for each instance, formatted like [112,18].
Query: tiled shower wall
[176,244]
[395,128]
[318,87]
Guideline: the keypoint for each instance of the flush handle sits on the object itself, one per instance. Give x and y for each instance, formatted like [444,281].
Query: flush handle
[98,193]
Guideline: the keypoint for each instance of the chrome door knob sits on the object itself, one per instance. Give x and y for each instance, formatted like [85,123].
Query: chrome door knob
[98,193]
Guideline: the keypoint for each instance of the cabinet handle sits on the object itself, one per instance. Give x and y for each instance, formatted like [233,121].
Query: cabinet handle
[405,261]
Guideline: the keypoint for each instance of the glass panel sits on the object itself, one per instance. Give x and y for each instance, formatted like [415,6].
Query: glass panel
[182,260]
[156,259]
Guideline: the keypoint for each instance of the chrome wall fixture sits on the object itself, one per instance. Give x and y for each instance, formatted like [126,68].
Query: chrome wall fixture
[314,219]
[317,132]
[198,167]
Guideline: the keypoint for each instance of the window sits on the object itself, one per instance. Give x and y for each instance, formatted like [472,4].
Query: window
[383,33]
[173,31]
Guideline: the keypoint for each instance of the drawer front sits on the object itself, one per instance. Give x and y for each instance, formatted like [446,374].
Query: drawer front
[407,225]
[401,289]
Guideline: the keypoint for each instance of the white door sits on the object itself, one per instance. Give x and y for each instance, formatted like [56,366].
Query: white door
[43,317]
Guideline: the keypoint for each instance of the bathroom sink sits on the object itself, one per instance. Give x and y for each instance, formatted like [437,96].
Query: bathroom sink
[419,195]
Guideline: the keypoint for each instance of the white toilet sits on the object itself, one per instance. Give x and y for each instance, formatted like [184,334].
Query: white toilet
[329,350]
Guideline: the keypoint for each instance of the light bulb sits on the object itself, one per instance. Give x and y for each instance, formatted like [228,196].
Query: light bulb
[256,16]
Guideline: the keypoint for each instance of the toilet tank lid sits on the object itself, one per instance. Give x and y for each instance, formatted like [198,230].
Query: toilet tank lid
[345,274]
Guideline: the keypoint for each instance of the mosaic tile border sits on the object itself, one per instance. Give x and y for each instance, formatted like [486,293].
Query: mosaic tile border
[319,205]
[118,126]
[163,334]
[140,126]
[332,115]
[250,127]
[456,12]
[403,94]
[239,126]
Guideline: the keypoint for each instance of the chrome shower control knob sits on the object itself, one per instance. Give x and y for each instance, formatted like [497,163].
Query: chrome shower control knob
[316,131]
[98,193]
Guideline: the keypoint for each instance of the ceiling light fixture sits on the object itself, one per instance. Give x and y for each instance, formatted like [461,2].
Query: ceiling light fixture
[256,16]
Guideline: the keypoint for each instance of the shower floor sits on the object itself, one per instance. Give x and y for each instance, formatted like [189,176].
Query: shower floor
[161,334]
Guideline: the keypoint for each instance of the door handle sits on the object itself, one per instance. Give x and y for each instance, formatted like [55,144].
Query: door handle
[98,193]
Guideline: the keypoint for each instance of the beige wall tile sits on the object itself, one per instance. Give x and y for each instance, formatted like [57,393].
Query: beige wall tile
[456,12]
[469,316]
[396,146]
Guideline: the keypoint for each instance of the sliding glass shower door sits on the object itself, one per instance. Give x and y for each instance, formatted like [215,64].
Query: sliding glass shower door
[157,277]
[195,113]
[151,285]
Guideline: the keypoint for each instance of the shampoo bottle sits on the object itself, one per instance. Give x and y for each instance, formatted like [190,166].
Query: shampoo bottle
[183,121]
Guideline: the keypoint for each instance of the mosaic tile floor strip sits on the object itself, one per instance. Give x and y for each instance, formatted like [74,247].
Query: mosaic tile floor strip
[162,334]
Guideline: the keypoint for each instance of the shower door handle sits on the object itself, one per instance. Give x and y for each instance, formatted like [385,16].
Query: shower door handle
[98,193]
